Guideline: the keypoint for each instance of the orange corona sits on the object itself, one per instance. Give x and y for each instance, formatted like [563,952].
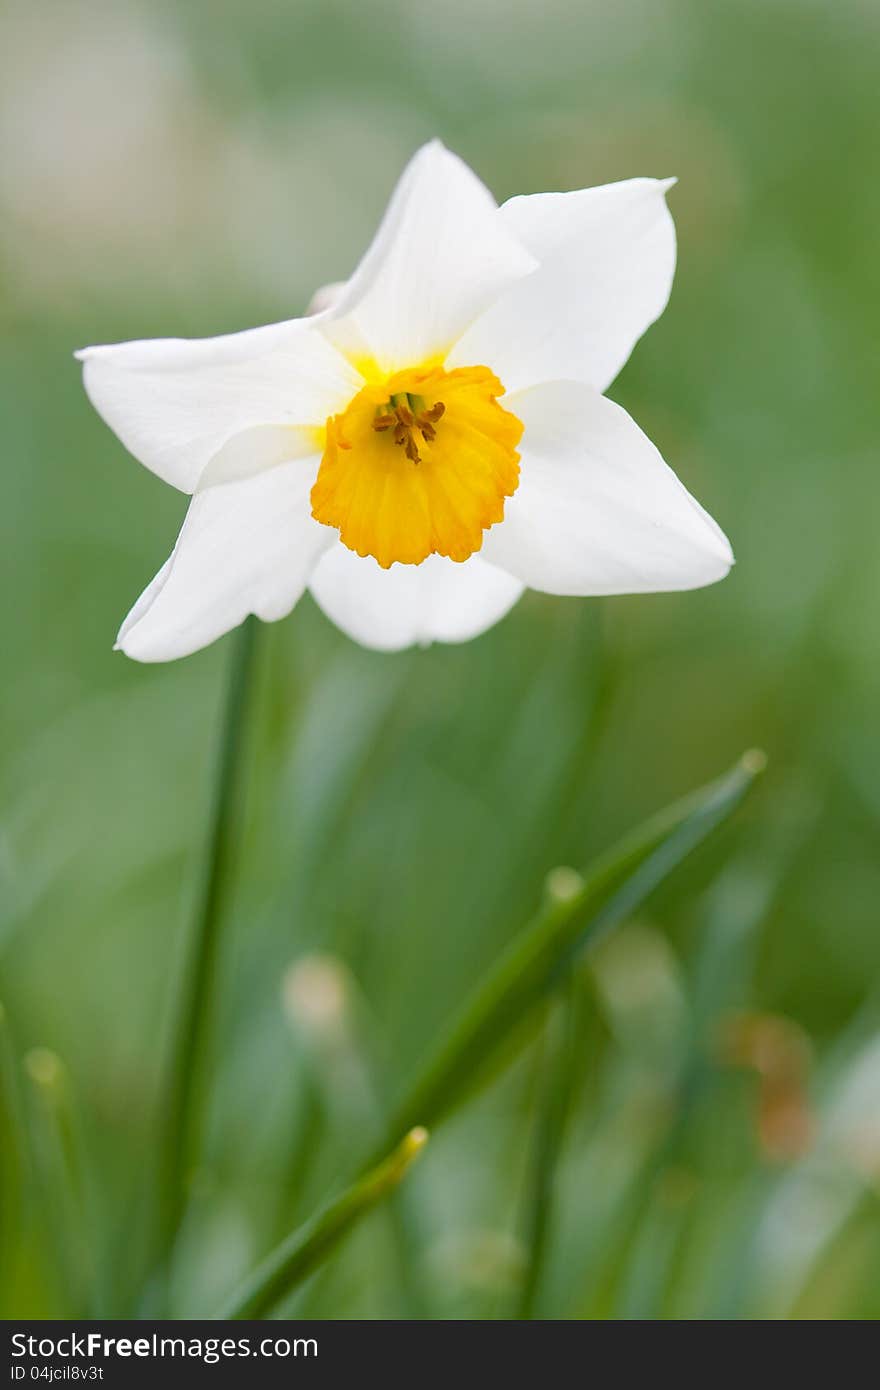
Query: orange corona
[419,464]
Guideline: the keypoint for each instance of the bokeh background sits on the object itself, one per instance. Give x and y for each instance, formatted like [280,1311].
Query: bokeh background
[191,167]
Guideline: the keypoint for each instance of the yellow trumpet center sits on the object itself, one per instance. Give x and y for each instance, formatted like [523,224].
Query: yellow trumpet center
[419,464]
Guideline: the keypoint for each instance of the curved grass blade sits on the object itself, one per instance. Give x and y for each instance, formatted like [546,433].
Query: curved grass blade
[340,1070]
[303,1251]
[612,889]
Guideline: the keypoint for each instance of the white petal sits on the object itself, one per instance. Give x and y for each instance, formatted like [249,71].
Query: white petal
[254,450]
[246,546]
[607,261]
[597,511]
[441,255]
[436,601]
[327,297]
[174,402]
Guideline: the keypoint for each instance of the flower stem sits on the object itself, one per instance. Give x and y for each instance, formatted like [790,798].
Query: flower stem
[185,1102]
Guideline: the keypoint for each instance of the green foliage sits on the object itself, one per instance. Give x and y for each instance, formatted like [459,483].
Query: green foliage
[199,167]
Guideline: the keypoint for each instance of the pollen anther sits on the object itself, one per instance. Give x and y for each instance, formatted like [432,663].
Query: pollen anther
[398,412]
[382,504]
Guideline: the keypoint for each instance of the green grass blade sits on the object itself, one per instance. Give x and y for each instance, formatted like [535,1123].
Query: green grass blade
[612,889]
[66,1207]
[340,1049]
[303,1251]
[186,1098]
[554,1108]
[13,1151]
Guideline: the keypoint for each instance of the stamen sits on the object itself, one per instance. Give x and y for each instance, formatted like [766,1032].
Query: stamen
[408,413]
[427,419]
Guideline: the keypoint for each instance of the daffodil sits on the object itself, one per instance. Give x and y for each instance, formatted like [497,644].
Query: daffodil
[432,440]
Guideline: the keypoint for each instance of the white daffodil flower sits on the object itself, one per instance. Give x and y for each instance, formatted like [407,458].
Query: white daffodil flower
[431,441]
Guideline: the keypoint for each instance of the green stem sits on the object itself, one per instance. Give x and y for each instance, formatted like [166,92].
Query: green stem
[186,1100]
[554,1106]
[303,1251]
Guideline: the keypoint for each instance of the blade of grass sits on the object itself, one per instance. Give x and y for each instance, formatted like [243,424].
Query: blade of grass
[13,1150]
[554,1108]
[185,1101]
[339,1044]
[845,1258]
[731,915]
[66,1208]
[303,1251]
[611,890]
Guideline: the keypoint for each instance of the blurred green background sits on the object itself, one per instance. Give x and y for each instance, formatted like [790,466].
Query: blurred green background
[200,166]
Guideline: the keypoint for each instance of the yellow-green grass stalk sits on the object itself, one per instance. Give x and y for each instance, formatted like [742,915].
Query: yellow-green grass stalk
[306,1249]
[501,1010]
